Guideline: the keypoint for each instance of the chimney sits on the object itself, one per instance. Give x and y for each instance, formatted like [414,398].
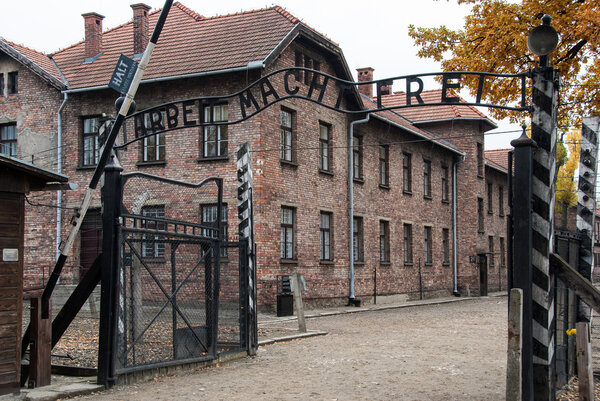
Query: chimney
[93,34]
[140,28]
[365,74]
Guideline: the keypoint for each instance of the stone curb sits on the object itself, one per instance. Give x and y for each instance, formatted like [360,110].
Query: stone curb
[55,392]
[272,319]
[274,340]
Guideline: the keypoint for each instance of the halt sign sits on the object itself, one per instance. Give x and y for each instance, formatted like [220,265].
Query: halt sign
[123,74]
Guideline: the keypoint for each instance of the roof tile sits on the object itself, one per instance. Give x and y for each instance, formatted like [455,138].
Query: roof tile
[432,113]
[189,43]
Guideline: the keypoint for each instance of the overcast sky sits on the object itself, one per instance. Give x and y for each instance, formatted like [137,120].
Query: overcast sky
[371,33]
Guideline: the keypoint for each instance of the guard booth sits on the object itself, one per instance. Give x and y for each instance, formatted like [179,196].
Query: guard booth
[17,178]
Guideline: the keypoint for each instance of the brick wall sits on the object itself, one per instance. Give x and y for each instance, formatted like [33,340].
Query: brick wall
[298,184]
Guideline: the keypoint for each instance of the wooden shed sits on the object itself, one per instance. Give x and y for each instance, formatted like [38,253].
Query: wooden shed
[17,178]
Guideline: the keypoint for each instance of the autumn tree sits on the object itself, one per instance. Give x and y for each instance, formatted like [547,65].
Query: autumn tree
[566,183]
[494,39]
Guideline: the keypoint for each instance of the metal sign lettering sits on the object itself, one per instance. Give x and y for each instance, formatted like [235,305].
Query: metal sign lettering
[326,90]
[123,74]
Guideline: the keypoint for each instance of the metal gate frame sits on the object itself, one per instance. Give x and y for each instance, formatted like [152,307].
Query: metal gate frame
[115,227]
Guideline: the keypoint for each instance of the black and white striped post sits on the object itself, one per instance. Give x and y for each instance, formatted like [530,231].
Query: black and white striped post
[246,234]
[542,41]
[586,204]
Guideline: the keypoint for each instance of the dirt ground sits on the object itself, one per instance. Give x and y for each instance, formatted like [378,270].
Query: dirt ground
[453,351]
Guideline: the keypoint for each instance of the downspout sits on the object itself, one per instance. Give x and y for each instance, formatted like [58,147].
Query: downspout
[59,170]
[351,203]
[454,228]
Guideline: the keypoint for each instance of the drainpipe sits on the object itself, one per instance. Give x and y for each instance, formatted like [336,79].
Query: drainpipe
[59,170]
[454,240]
[351,203]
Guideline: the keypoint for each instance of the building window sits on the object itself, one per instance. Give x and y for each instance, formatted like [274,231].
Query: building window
[154,145]
[91,125]
[428,246]
[384,165]
[407,172]
[357,239]
[427,178]
[445,246]
[480,164]
[12,84]
[324,147]
[384,241]
[502,253]
[490,194]
[491,250]
[326,235]
[480,215]
[307,74]
[302,60]
[288,217]
[215,137]
[208,214]
[597,233]
[357,151]
[299,62]
[1,84]
[8,139]
[287,135]
[152,247]
[408,252]
[445,184]
[500,200]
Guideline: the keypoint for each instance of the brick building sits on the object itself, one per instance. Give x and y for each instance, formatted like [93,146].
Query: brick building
[426,201]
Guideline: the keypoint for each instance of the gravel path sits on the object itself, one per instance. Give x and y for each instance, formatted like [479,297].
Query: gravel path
[453,351]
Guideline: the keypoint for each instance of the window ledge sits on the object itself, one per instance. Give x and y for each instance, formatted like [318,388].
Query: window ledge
[446,264]
[408,264]
[386,187]
[445,201]
[151,259]
[359,263]
[212,159]
[152,163]
[428,264]
[385,263]
[326,262]
[359,180]
[479,176]
[405,192]
[428,197]
[91,167]
[491,213]
[289,261]
[289,163]
[326,172]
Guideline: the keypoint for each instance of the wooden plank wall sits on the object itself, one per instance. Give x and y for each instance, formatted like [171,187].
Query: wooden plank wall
[11,290]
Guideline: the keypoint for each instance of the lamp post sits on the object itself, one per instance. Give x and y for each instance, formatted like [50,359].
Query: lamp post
[538,297]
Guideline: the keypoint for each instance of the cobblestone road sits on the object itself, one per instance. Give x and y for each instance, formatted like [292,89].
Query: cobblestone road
[452,351]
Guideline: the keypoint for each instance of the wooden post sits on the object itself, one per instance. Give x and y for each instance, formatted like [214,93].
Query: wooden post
[298,302]
[584,362]
[40,340]
[513,366]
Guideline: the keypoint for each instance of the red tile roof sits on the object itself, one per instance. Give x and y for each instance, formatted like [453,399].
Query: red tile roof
[497,158]
[189,43]
[40,59]
[423,114]
[400,121]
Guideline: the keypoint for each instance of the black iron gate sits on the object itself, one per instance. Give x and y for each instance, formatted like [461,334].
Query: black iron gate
[567,246]
[177,289]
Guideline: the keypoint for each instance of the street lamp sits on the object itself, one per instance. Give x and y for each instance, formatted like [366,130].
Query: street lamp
[542,40]
[534,181]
